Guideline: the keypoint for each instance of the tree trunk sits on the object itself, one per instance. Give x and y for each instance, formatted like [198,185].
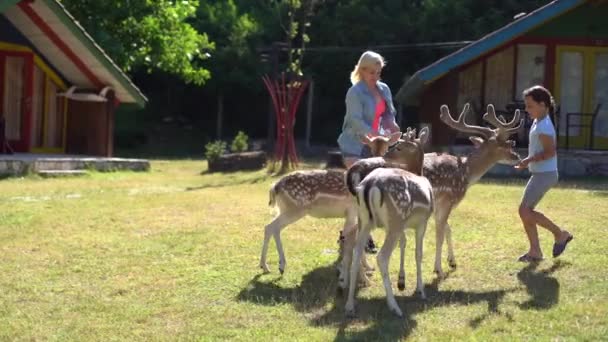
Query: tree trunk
[220,115]
[311,88]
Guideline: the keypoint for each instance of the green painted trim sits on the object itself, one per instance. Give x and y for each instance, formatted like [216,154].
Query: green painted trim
[6,4]
[101,56]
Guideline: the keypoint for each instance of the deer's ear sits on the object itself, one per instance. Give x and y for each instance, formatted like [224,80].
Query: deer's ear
[394,137]
[477,141]
[424,135]
[366,139]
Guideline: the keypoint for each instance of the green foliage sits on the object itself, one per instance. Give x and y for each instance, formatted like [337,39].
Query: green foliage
[148,35]
[233,33]
[294,18]
[215,149]
[240,144]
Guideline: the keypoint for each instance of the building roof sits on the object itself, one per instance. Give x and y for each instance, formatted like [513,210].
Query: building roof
[68,47]
[425,76]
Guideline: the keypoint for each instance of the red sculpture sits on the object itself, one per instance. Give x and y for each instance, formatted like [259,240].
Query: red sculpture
[285,95]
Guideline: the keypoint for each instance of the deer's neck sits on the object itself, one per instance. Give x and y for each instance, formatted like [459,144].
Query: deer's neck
[413,164]
[477,163]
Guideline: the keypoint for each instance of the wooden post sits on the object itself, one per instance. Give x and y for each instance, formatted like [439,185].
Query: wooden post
[311,88]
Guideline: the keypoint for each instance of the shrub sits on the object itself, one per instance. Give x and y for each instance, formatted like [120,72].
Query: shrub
[214,150]
[239,144]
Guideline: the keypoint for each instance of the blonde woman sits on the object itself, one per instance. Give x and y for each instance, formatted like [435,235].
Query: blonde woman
[369,109]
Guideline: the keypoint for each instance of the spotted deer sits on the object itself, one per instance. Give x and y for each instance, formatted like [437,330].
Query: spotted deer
[395,199]
[451,176]
[407,156]
[316,193]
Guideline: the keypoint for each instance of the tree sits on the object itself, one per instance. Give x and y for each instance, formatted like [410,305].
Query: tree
[234,61]
[148,35]
[294,18]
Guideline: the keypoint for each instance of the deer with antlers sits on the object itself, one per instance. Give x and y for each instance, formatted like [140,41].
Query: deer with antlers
[451,176]
[317,193]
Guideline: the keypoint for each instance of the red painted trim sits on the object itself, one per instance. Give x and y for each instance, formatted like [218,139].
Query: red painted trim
[2,67]
[550,67]
[46,29]
[22,145]
[27,110]
[15,53]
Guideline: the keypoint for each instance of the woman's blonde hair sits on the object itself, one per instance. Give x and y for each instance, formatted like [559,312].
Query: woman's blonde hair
[367,59]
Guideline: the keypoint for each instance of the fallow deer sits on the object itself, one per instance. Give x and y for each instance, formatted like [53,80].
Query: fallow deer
[316,193]
[451,176]
[395,199]
[407,157]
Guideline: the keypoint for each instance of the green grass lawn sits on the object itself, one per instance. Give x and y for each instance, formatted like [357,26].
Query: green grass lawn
[173,255]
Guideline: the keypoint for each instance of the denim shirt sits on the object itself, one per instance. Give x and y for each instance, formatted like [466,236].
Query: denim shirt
[360,113]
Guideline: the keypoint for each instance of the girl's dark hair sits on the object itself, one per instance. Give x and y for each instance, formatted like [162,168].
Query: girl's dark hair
[541,94]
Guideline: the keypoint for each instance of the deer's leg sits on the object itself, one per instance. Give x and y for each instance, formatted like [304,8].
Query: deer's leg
[347,236]
[448,237]
[394,233]
[364,229]
[345,265]
[442,211]
[420,231]
[401,281]
[274,229]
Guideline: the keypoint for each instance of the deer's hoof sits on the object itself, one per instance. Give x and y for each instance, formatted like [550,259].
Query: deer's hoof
[421,294]
[439,273]
[350,312]
[452,263]
[265,268]
[401,285]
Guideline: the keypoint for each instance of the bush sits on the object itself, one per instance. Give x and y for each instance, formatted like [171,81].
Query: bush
[239,144]
[214,150]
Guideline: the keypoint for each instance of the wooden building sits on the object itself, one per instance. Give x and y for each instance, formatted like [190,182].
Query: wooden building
[562,45]
[58,89]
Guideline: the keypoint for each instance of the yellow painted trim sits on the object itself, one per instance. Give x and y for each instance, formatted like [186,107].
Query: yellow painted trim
[37,60]
[588,90]
[14,47]
[47,70]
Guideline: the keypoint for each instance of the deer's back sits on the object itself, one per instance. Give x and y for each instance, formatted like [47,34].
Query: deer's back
[447,174]
[303,188]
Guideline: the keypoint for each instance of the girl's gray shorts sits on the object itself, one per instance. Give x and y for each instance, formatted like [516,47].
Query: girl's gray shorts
[538,185]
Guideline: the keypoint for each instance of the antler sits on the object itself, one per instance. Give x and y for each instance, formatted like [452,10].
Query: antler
[503,128]
[409,134]
[462,126]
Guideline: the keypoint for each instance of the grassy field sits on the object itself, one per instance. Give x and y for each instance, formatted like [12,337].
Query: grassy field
[173,255]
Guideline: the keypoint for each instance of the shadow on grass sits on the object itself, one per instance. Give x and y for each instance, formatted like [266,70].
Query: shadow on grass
[597,184]
[232,182]
[318,289]
[541,286]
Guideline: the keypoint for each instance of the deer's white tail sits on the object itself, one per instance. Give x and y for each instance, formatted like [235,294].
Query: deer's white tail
[272,202]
